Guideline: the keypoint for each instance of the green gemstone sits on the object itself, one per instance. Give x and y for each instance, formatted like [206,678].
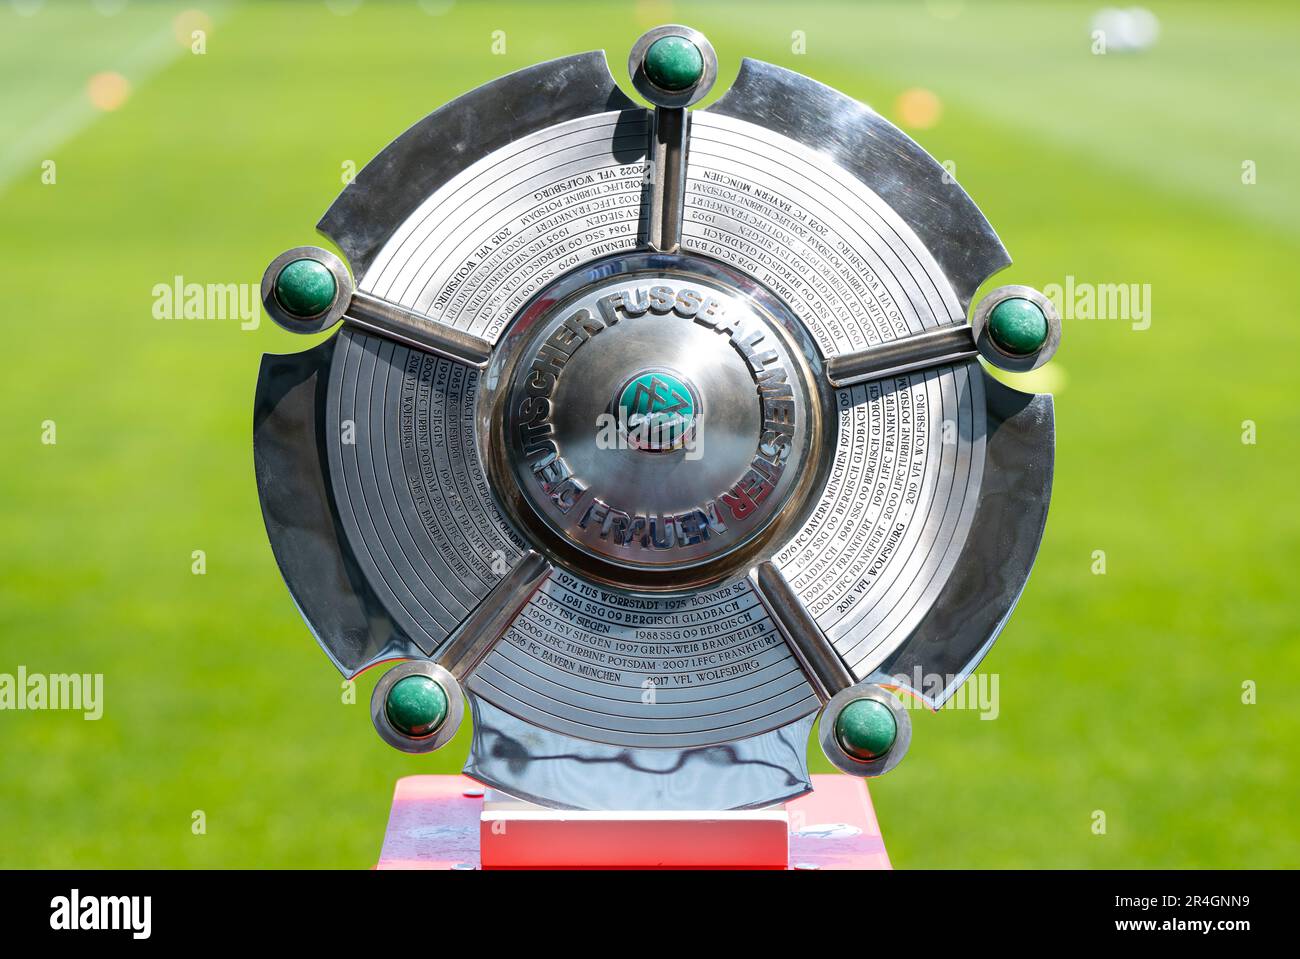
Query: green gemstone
[674,64]
[416,706]
[305,287]
[866,729]
[1018,326]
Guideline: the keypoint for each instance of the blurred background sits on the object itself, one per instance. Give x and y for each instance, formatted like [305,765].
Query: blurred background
[1150,671]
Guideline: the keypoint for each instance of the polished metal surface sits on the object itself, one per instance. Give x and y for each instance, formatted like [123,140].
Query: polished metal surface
[475,638]
[634,493]
[874,153]
[941,347]
[669,140]
[556,770]
[692,438]
[989,575]
[311,549]
[369,313]
[485,243]
[397,323]
[816,655]
[627,669]
[668,146]
[410,491]
[387,191]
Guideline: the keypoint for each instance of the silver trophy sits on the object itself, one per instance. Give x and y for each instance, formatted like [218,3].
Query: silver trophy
[652,434]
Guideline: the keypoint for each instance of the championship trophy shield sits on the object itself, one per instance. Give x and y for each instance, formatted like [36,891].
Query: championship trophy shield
[648,436]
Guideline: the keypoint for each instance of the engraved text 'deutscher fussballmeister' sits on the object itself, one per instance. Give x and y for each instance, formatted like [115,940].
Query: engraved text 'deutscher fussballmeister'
[651,434]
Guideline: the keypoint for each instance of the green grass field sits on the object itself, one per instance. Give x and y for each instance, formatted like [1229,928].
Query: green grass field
[1119,692]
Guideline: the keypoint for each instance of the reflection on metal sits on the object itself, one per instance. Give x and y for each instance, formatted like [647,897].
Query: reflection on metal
[562,771]
[476,637]
[673,99]
[669,137]
[818,658]
[397,323]
[440,147]
[345,615]
[641,512]
[698,385]
[989,575]
[893,167]
[941,347]
[668,178]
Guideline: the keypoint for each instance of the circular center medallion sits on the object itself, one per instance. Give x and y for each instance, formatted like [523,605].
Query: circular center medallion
[653,421]
[656,410]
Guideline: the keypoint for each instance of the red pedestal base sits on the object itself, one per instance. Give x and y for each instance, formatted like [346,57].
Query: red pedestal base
[439,822]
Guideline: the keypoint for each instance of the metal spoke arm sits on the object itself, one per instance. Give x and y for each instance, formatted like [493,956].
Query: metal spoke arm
[418,705]
[309,290]
[409,328]
[668,139]
[864,729]
[479,634]
[940,347]
[1015,328]
[823,666]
